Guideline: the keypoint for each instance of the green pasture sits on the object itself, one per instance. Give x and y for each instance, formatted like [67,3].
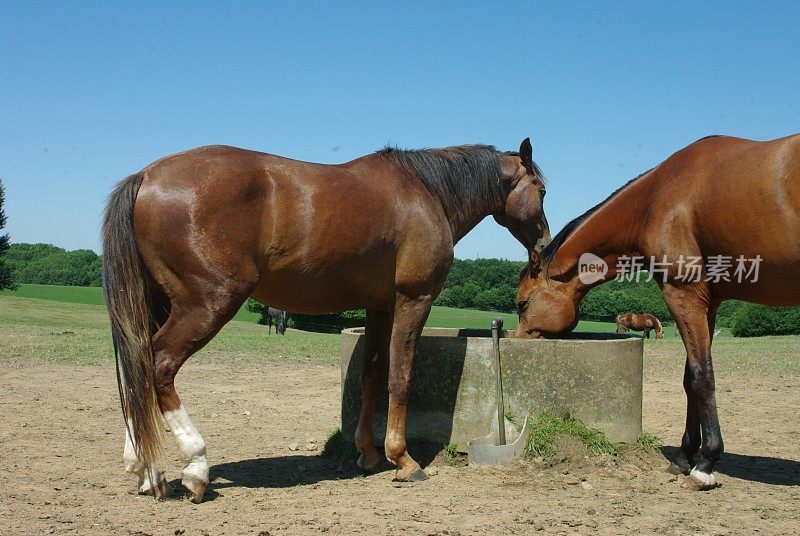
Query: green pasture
[73,332]
[443,317]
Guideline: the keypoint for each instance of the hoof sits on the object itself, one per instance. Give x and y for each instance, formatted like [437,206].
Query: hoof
[368,463]
[161,492]
[677,469]
[415,475]
[195,487]
[679,465]
[699,481]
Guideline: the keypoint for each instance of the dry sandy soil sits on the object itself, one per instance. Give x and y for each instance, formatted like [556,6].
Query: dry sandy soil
[61,461]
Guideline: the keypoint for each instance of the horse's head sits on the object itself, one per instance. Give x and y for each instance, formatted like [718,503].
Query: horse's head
[547,307]
[523,191]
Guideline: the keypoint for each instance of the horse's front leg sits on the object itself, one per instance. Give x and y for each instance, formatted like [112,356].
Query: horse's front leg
[376,353]
[689,307]
[409,317]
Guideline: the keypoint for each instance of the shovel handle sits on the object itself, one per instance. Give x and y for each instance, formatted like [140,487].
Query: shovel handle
[497,326]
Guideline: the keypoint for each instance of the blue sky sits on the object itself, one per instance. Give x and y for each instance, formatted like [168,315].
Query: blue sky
[94,91]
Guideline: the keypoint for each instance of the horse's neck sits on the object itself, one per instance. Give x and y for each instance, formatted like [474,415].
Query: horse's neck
[472,213]
[610,232]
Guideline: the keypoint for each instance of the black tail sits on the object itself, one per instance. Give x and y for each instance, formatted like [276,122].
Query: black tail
[128,294]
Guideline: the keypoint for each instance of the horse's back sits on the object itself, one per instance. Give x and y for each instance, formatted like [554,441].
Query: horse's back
[317,237]
[730,197]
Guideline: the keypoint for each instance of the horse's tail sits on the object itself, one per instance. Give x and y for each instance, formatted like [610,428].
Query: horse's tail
[128,293]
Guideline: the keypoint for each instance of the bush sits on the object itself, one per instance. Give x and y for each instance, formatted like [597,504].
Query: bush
[752,320]
[726,314]
[604,302]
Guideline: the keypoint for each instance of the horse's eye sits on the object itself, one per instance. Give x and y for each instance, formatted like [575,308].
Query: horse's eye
[521,306]
[543,192]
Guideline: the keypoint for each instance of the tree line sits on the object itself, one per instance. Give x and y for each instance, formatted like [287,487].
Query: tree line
[46,264]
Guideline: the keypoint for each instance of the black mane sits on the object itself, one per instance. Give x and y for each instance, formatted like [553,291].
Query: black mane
[461,177]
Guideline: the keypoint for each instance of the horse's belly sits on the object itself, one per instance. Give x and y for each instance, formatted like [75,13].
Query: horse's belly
[327,291]
[769,285]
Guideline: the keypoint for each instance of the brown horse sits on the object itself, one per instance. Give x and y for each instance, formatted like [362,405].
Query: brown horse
[718,220]
[187,240]
[639,322]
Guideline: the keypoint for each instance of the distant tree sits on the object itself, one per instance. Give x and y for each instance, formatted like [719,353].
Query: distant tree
[484,284]
[46,264]
[6,274]
[752,320]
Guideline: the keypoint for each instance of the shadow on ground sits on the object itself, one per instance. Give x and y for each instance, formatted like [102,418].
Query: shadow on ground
[764,469]
[298,470]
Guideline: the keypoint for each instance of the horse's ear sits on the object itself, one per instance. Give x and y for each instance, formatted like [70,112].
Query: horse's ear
[526,154]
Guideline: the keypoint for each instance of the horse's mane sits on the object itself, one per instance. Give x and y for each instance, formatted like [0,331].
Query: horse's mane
[462,177]
[549,252]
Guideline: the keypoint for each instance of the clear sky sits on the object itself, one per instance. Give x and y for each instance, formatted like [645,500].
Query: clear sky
[93,91]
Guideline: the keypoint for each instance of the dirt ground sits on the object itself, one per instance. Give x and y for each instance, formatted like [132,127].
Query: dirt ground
[61,463]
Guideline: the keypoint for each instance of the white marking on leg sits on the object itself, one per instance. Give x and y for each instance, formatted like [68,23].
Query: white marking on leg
[708,479]
[190,443]
[132,462]
[147,479]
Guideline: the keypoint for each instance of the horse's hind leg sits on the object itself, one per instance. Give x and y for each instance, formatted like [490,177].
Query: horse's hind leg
[151,480]
[376,352]
[189,327]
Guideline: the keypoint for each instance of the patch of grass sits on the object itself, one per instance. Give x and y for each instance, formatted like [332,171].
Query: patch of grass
[449,317]
[337,447]
[548,428]
[86,295]
[450,451]
[513,418]
[80,333]
[649,440]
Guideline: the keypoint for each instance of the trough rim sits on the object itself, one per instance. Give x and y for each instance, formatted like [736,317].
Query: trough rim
[607,337]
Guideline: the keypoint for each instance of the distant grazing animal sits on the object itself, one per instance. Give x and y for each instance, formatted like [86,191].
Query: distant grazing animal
[720,220]
[188,239]
[279,317]
[639,322]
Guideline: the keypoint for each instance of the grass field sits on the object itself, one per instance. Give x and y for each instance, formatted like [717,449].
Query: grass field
[79,333]
[444,317]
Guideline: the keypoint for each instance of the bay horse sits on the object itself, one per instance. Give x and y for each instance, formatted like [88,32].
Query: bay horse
[717,202]
[639,322]
[189,238]
[279,317]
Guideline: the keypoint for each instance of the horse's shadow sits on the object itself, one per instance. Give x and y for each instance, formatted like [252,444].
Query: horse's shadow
[764,469]
[295,470]
[300,470]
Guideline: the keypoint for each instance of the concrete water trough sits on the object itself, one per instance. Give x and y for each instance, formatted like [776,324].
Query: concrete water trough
[595,377]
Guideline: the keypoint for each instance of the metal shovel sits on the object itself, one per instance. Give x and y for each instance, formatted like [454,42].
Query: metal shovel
[492,449]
